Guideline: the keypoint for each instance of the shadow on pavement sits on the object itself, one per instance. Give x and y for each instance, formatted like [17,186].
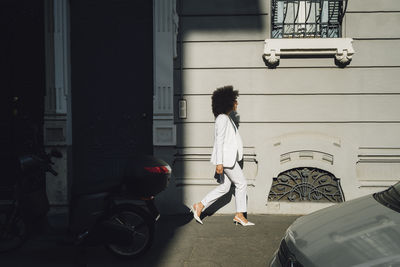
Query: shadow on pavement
[48,248]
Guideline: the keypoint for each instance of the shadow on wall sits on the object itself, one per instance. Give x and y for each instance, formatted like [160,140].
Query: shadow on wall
[213,17]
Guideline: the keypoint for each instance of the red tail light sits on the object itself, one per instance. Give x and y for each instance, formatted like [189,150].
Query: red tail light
[159,169]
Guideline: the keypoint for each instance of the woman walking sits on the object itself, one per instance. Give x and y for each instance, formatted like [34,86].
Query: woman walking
[227,151]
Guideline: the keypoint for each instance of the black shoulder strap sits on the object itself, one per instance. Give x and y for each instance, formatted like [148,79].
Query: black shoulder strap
[233,124]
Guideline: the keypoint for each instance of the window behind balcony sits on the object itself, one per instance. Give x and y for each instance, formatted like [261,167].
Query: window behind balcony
[307,18]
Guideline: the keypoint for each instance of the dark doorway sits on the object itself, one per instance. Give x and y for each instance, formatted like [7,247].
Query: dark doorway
[112,87]
[22,83]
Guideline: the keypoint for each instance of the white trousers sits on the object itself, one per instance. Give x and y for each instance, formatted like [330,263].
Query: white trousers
[236,176]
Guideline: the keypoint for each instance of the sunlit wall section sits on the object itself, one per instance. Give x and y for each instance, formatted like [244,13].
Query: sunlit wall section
[290,116]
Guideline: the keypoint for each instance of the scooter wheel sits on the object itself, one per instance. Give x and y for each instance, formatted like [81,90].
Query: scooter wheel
[13,232]
[142,227]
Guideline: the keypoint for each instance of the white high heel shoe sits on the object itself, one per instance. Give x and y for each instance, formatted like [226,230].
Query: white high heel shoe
[237,220]
[194,211]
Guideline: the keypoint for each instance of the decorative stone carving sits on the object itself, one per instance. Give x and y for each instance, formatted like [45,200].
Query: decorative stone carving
[306,185]
[342,59]
[271,60]
[307,154]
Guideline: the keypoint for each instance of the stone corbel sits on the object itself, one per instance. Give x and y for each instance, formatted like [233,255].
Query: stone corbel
[271,59]
[342,59]
[340,49]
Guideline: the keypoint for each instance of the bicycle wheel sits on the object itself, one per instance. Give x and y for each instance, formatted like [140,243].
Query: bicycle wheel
[142,230]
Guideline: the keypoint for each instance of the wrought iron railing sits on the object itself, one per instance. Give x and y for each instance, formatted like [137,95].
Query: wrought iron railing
[306,184]
[307,18]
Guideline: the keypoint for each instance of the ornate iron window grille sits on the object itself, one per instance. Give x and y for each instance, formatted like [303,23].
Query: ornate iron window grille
[307,18]
[306,185]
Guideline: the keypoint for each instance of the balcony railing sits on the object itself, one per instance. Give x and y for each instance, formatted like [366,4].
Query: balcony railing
[307,18]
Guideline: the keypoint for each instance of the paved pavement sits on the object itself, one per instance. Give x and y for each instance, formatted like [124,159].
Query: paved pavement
[179,241]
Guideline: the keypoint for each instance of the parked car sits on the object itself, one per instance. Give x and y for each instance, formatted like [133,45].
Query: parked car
[361,232]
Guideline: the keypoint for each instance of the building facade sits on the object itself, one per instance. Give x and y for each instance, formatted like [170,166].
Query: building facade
[318,106]
[315,133]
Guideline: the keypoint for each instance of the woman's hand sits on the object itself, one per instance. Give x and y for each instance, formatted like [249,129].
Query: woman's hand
[219,169]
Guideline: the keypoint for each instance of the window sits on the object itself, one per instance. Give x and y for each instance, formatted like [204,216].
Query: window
[307,18]
[307,28]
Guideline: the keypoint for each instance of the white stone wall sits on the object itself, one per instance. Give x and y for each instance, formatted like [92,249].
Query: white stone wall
[304,105]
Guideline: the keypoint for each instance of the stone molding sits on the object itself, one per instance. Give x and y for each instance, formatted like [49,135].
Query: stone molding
[191,166]
[340,48]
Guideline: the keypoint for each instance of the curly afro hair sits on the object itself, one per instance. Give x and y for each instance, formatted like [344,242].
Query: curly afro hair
[223,100]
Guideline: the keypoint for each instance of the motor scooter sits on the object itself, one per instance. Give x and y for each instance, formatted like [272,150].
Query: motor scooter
[120,215]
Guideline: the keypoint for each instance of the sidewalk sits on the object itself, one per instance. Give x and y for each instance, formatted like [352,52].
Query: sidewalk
[179,241]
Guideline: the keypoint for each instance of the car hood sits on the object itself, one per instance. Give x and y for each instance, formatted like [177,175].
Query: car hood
[357,232]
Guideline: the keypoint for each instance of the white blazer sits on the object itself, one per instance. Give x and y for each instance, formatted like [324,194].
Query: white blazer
[228,145]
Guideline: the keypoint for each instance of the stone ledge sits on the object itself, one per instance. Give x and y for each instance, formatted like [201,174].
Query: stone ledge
[340,48]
